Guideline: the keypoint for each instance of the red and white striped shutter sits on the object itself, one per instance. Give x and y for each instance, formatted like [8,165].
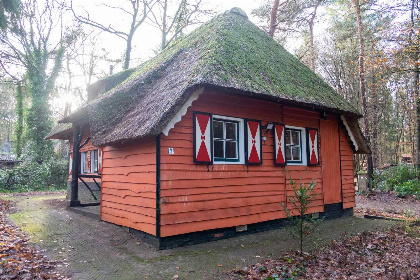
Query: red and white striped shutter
[203,144]
[312,144]
[279,144]
[88,159]
[70,164]
[253,136]
[99,161]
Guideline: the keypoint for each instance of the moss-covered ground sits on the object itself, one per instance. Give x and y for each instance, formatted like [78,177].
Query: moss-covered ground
[92,249]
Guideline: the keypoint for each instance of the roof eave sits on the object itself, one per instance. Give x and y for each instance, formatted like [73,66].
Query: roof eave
[267,97]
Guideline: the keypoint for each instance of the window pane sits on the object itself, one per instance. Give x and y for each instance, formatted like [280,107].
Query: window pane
[296,153]
[288,153]
[217,129]
[218,149]
[231,149]
[288,136]
[231,131]
[296,137]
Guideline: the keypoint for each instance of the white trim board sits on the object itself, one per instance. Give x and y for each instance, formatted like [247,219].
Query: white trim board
[356,147]
[177,118]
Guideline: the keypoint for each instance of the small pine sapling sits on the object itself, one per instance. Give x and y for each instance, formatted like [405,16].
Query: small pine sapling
[303,224]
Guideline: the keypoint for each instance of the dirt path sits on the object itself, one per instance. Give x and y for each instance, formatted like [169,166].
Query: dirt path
[99,250]
[389,203]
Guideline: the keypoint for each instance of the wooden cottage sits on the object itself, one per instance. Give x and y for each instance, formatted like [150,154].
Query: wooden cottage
[200,142]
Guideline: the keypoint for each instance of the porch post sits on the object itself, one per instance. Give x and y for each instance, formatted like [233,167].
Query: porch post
[74,196]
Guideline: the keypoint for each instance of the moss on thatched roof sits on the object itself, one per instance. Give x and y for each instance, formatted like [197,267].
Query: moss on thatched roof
[228,52]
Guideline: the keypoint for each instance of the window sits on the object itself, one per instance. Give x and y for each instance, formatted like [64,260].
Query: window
[84,162]
[228,140]
[293,145]
[94,161]
[225,139]
[295,142]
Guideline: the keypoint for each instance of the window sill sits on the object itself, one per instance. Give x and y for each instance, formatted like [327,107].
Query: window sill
[229,162]
[296,164]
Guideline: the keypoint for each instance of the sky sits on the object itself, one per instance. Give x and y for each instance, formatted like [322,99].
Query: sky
[147,37]
[146,41]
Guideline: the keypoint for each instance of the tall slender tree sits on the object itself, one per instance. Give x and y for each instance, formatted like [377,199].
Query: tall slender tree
[172,18]
[29,43]
[357,10]
[138,13]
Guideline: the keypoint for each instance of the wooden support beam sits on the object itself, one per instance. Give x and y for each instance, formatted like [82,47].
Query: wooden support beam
[87,186]
[77,137]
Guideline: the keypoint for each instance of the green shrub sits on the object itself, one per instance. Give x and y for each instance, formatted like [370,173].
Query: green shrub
[411,187]
[32,176]
[394,176]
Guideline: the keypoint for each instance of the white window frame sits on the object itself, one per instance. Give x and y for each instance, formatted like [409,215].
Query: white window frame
[241,147]
[92,161]
[303,146]
[84,162]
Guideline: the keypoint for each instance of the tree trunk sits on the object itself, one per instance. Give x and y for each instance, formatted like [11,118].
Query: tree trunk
[356,5]
[165,8]
[273,18]
[127,55]
[311,35]
[416,74]
[19,122]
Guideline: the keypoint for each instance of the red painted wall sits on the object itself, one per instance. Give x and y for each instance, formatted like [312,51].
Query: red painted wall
[195,199]
[129,186]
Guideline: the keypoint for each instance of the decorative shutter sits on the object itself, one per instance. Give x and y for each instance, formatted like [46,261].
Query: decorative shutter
[92,161]
[253,144]
[279,144]
[88,158]
[203,138]
[312,146]
[99,161]
[71,164]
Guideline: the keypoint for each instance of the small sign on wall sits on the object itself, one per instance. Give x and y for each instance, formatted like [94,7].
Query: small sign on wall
[171,151]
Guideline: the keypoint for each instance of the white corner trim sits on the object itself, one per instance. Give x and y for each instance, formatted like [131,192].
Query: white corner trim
[356,147]
[177,118]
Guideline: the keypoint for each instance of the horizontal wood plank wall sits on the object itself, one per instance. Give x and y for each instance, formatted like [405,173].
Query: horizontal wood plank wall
[129,186]
[304,174]
[194,198]
[347,170]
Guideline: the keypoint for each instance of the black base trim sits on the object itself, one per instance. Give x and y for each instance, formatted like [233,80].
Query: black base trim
[331,211]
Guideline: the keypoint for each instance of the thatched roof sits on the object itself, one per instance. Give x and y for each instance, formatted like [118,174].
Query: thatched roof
[60,131]
[228,52]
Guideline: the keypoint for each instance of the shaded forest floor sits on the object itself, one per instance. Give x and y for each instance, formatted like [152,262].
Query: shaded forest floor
[388,205]
[390,254]
[393,254]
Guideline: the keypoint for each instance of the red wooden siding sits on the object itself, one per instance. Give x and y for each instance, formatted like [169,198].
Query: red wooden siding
[331,161]
[129,186]
[195,199]
[304,174]
[347,171]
